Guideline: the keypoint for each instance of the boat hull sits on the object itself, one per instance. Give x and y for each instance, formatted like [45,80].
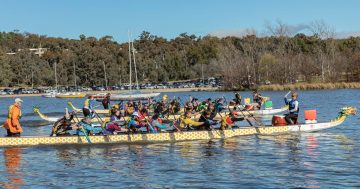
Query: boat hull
[136,96]
[166,136]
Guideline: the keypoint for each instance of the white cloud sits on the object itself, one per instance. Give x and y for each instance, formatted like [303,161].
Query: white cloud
[344,35]
[233,32]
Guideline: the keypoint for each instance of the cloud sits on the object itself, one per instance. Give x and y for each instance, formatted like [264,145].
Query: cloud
[233,32]
[344,35]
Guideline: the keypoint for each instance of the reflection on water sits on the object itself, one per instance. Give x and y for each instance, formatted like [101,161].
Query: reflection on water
[12,162]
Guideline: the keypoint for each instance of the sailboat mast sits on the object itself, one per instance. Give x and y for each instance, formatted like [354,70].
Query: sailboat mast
[129,58]
[133,52]
[55,77]
[74,77]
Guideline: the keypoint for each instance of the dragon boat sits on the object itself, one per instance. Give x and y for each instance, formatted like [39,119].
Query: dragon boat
[177,136]
[173,117]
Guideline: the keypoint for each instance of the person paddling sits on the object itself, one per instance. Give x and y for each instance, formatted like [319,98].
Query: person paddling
[12,124]
[293,103]
[257,98]
[106,101]
[88,106]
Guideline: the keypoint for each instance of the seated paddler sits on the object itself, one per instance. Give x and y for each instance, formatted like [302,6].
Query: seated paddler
[134,123]
[186,121]
[63,125]
[208,119]
[156,123]
[116,121]
[228,121]
[85,126]
[292,116]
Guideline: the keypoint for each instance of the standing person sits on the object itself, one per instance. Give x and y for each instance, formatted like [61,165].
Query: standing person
[237,99]
[293,103]
[12,124]
[88,108]
[257,98]
[106,101]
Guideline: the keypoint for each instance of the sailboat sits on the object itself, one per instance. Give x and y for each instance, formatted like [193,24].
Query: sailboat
[137,94]
[53,93]
[71,94]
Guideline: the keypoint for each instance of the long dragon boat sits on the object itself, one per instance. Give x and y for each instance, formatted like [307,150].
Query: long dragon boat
[173,117]
[177,136]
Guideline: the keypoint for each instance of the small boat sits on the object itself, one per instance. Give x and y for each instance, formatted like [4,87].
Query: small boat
[176,136]
[50,95]
[99,96]
[71,95]
[133,96]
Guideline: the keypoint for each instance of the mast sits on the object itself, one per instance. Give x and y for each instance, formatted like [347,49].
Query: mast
[74,77]
[133,52]
[106,84]
[129,58]
[55,77]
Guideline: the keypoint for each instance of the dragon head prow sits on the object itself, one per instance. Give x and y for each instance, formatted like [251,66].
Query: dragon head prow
[348,110]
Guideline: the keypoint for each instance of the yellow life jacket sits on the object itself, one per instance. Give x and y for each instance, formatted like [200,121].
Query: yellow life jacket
[86,103]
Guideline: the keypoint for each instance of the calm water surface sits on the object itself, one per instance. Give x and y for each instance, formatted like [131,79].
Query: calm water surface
[326,159]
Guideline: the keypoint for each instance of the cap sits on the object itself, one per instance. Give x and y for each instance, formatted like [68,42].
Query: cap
[135,114]
[18,100]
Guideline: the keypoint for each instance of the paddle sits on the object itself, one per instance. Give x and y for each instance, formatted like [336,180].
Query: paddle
[82,129]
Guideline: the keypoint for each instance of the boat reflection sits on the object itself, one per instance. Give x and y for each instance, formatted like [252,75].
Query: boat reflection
[12,161]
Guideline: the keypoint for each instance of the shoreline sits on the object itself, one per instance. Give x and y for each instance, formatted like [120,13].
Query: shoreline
[124,91]
[274,87]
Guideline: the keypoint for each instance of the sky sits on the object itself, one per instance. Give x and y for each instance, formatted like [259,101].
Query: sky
[169,18]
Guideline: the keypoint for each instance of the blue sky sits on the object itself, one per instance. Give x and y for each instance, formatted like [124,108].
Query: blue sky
[169,18]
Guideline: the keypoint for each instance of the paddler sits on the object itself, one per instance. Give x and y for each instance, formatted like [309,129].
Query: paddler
[257,98]
[134,123]
[293,103]
[88,108]
[12,124]
[229,120]
[116,121]
[237,99]
[156,122]
[207,118]
[187,122]
[106,101]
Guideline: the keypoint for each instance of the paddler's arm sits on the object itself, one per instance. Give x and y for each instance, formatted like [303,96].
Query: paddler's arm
[192,122]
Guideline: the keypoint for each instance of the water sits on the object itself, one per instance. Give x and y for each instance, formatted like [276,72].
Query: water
[326,159]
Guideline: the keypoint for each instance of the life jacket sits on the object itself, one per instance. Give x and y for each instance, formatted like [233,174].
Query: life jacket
[292,106]
[10,112]
[87,104]
[12,123]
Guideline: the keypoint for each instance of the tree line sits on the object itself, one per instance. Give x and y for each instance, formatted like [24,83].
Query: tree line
[242,62]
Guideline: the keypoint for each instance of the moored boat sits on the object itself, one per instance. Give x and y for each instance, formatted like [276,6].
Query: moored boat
[70,95]
[176,136]
[133,96]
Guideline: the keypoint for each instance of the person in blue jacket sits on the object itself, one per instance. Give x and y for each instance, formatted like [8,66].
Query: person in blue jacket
[293,103]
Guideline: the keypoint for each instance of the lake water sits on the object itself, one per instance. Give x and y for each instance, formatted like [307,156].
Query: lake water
[326,159]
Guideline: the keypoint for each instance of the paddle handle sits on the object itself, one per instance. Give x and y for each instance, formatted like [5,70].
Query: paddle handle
[287,93]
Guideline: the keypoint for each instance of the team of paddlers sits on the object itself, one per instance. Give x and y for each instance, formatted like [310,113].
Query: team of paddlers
[152,116]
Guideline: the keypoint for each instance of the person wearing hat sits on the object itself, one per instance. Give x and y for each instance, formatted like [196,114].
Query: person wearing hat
[134,123]
[293,103]
[12,124]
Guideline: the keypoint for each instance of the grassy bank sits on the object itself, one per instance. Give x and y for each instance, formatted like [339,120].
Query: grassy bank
[309,86]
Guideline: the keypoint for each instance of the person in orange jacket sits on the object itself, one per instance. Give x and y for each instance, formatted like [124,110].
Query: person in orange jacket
[12,124]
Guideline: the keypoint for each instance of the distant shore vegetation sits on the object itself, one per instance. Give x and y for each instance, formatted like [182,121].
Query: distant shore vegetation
[280,60]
